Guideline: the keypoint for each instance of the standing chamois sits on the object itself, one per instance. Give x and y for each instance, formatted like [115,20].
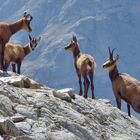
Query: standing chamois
[7,30]
[124,86]
[84,65]
[15,53]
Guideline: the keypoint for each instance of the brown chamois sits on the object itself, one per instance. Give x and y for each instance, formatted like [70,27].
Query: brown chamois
[7,30]
[15,53]
[84,65]
[124,86]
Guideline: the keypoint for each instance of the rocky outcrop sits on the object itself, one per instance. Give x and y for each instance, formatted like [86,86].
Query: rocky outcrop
[19,80]
[43,113]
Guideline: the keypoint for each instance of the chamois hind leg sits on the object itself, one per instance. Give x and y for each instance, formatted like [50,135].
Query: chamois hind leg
[86,84]
[136,107]
[128,108]
[18,67]
[92,84]
[14,67]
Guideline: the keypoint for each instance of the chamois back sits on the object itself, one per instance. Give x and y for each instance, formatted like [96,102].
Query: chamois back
[13,53]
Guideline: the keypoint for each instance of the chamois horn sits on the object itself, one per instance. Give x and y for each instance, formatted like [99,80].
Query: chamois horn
[27,16]
[111,53]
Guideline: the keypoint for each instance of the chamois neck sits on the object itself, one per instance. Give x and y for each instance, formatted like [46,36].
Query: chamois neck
[114,73]
[27,49]
[76,52]
[15,27]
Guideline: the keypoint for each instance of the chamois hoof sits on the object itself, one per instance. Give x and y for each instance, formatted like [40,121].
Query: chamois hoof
[85,96]
[80,94]
[93,97]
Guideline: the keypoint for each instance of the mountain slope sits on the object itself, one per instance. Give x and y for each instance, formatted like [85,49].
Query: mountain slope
[36,113]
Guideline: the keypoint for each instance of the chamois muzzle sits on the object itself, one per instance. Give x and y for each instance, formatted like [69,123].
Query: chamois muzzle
[103,66]
[66,48]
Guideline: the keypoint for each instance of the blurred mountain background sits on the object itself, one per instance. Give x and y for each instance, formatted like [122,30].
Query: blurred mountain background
[97,24]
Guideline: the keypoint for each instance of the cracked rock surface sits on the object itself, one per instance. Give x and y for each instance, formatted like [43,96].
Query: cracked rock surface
[37,112]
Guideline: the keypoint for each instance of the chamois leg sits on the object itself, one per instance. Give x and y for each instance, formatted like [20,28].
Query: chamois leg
[5,67]
[14,68]
[128,108]
[86,85]
[136,107]
[80,84]
[118,100]
[18,67]
[92,84]
[2,56]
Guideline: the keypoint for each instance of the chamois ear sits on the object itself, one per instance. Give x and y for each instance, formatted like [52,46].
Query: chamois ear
[38,39]
[117,57]
[30,38]
[74,39]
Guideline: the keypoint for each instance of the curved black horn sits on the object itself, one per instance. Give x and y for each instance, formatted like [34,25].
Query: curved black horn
[110,54]
[27,16]
[30,38]
[113,52]
[74,38]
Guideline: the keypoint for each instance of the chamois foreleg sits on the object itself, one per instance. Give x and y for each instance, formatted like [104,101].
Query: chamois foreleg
[5,67]
[92,84]
[1,54]
[80,84]
[86,85]
[118,101]
[128,108]
[14,67]
[18,67]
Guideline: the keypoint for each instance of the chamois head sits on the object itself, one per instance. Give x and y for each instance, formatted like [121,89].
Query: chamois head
[73,44]
[111,62]
[27,18]
[33,42]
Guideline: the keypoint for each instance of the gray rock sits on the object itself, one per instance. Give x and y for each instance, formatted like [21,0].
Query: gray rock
[20,81]
[49,114]
[7,127]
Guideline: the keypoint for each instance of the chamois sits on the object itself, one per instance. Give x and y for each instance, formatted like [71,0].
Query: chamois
[84,65]
[7,30]
[15,53]
[124,86]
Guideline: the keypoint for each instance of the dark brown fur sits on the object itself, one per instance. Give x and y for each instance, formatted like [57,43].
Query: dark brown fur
[7,30]
[124,86]
[84,65]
